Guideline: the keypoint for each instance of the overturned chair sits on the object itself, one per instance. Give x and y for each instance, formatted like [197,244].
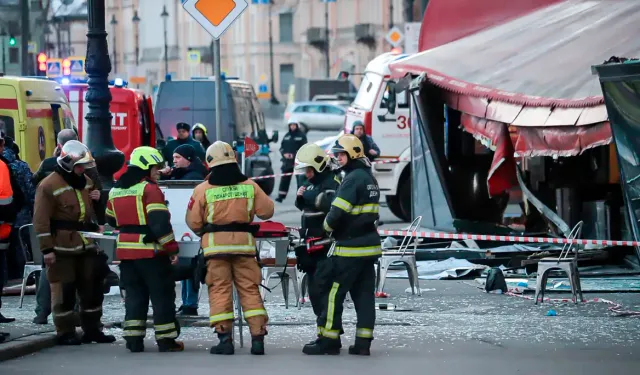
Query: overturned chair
[34,266]
[566,262]
[402,254]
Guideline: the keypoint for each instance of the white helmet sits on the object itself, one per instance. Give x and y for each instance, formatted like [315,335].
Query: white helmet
[220,153]
[75,153]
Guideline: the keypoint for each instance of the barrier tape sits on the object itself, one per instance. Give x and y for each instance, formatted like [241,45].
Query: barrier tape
[615,307]
[390,161]
[490,237]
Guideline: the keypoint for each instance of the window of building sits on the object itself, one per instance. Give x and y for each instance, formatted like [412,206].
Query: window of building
[286,27]
[287,77]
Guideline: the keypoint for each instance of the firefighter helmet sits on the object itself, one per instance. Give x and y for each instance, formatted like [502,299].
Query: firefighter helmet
[349,144]
[220,153]
[311,155]
[75,153]
[145,157]
[199,126]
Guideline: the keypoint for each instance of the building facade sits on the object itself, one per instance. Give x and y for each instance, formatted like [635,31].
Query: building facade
[357,30]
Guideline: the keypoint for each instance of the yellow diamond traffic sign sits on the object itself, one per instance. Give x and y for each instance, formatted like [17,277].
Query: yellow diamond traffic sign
[215,15]
[394,36]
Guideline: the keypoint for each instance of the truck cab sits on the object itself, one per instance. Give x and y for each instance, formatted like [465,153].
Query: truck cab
[193,101]
[390,131]
[133,123]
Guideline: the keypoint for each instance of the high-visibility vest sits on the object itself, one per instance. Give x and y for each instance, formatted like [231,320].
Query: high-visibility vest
[6,199]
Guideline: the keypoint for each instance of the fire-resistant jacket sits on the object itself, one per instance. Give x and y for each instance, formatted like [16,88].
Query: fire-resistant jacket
[234,205]
[59,212]
[144,221]
[313,207]
[353,214]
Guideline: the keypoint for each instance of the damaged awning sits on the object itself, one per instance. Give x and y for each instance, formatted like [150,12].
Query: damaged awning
[533,74]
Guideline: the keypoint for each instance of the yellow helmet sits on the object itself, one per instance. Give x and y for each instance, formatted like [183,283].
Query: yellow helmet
[349,144]
[145,157]
[75,153]
[200,127]
[220,153]
[311,155]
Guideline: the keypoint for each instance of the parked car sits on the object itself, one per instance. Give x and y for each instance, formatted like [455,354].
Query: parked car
[316,115]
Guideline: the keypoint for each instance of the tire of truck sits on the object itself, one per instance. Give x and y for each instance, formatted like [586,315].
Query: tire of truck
[268,184]
[404,199]
[394,206]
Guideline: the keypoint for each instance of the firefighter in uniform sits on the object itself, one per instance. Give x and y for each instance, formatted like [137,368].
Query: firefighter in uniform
[146,248]
[314,200]
[220,211]
[352,221]
[62,209]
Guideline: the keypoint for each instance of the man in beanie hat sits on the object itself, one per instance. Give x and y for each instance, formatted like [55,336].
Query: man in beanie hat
[186,165]
[371,149]
[184,138]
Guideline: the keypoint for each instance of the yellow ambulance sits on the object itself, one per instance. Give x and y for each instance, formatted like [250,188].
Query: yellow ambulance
[32,112]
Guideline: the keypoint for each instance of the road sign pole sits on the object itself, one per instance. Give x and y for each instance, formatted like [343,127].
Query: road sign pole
[216,48]
[243,161]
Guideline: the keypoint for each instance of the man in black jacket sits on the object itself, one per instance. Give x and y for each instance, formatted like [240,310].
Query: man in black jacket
[290,145]
[314,200]
[352,221]
[184,138]
[186,165]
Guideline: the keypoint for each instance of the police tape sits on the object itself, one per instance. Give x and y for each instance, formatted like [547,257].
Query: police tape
[390,161]
[519,239]
[614,307]
[490,237]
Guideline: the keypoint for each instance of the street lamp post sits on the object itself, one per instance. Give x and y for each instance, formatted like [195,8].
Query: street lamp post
[273,99]
[113,23]
[136,21]
[3,35]
[165,16]
[98,65]
[326,31]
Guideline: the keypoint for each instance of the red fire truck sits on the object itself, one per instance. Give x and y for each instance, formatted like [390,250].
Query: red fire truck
[132,125]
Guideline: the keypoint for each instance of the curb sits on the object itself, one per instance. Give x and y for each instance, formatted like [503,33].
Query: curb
[25,345]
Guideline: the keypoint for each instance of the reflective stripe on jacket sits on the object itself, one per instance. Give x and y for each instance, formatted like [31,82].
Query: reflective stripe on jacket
[220,205]
[353,215]
[57,201]
[142,205]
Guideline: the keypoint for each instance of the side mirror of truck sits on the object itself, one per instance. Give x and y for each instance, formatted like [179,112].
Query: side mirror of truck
[275,137]
[343,75]
[391,97]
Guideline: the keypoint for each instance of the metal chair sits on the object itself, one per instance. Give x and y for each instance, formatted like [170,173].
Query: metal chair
[402,254]
[34,266]
[239,316]
[564,263]
[285,271]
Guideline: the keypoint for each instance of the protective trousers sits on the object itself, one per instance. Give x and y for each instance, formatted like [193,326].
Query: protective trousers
[243,271]
[81,273]
[357,276]
[145,279]
[319,284]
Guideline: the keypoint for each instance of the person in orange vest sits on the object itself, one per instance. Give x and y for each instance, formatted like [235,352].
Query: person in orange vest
[146,248]
[11,201]
[220,211]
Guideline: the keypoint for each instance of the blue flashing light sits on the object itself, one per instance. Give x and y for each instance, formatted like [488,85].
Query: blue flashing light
[65,81]
[118,82]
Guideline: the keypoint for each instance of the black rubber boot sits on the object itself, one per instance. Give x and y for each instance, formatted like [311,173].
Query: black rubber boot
[170,345]
[225,346]
[315,340]
[361,347]
[68,339]
[97,337]
[257,345]
[188,311]
[322,346]
[135,345]
[41,319]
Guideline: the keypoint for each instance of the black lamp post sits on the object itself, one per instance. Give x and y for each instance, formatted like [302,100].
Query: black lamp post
[98,65]
[113,23]
[136,21]
[273,99]
[3,35]
[165,16]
